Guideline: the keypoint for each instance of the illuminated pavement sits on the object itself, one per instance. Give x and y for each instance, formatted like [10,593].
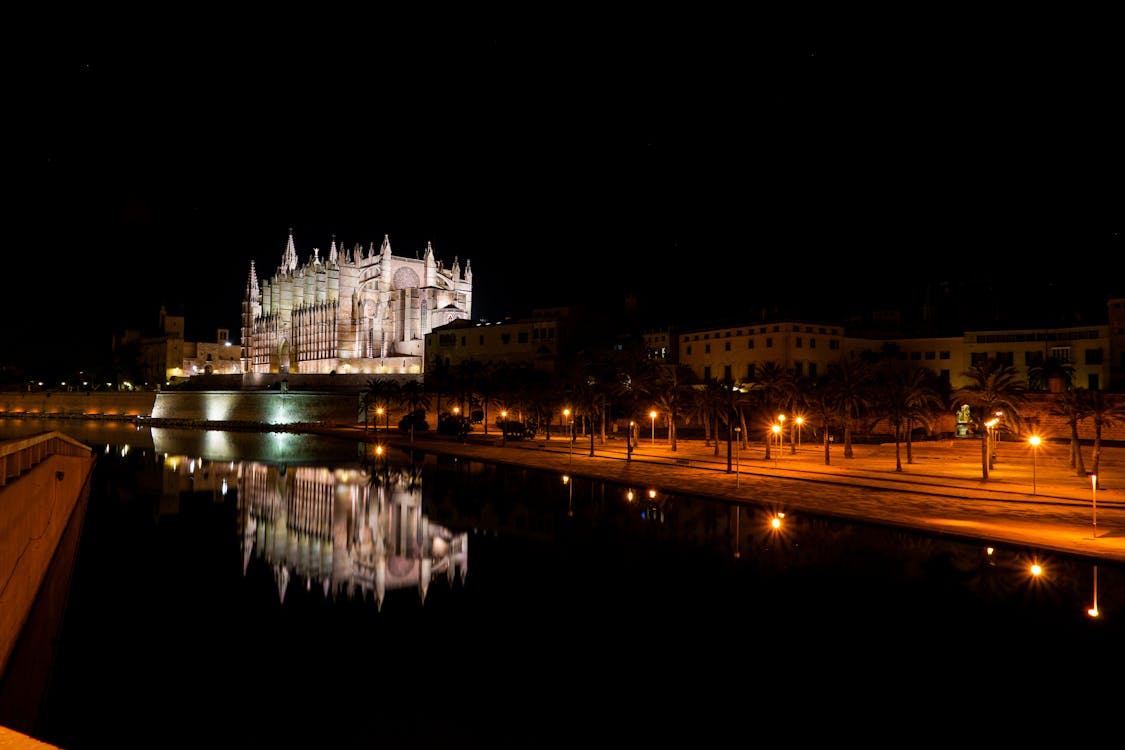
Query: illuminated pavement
[1034,501]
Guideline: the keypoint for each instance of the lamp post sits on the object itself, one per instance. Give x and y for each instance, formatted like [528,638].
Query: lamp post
[566,421]
[781,432]
[652,416]
[1094,501]
[776,429]
[800,423]
[1034,440]
[503,426]
[737,440]
[378,413]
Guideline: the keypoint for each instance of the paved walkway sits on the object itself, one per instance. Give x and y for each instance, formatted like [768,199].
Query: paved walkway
[1029,499]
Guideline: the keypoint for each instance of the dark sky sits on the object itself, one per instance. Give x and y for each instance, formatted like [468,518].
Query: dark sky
[700,164]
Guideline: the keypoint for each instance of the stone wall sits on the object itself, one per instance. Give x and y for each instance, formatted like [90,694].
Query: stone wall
[78,403]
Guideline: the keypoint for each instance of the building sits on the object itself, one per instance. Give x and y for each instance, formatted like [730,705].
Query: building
[350,312]
[736,353]
[218,357]
[534,342]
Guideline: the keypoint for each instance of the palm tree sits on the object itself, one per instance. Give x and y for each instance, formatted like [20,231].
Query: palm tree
[775,386]
[1073,406]
[993,386]
[850,386]
[903,395]
[1053,374]
[1105,413]
[822,400]
[671,394]
[413,394]
[380,392]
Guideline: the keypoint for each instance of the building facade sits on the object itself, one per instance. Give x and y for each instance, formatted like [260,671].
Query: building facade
[351,312]
[736,353]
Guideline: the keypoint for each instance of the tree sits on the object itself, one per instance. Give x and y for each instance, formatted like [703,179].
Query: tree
[993,386]
[671,389]
[903,395]
[1053,374]
[850,387]
[1073,406]
[1105,413]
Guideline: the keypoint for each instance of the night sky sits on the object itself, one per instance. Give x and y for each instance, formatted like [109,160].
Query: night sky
[709,168]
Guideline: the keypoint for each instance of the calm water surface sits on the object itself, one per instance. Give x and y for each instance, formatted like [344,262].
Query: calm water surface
[273,590]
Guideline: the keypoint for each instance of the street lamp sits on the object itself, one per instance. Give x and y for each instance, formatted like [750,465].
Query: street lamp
[776,429]
[781,432]
[800,423]
[1094,501]
[737,440]
[1034,440]
[378,413]
[566,421]
[503,426]
[652,416]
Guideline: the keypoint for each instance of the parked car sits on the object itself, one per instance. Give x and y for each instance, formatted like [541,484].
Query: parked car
[516,430]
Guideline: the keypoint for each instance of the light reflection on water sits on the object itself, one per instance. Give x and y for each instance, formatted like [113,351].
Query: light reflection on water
[328,598]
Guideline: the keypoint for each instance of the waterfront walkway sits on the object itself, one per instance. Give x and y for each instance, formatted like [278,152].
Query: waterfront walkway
[1030,499]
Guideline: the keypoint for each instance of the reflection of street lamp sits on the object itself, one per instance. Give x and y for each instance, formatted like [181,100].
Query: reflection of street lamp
[570,495]
[1093,611]
[1034,440]
[652,416]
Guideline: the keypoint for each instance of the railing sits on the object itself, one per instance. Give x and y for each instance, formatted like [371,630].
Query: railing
[19,455]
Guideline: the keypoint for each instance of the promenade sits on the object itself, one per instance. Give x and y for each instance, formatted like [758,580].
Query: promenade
[1030,499]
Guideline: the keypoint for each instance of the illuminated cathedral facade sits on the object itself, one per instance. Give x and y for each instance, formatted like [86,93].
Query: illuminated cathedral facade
[350,312]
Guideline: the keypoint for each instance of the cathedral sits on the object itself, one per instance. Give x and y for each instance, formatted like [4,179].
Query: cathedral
[350,312]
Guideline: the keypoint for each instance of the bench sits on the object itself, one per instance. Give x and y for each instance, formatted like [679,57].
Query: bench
[683,462]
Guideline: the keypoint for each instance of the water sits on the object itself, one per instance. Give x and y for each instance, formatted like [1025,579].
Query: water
[243,590]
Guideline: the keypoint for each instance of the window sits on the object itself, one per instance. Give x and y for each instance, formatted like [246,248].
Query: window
[749,343]
[931,356]
[800,343]
[1092,382]
[978,358]
[834,344]
[769,342]
[726,346]
[506,338]
[915,356]
[1094,357]
[706,348]
[812,343]
[707,373]
[943,355]
[726,374]
[797,368]
[689,350]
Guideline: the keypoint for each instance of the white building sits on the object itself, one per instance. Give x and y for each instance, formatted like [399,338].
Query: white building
[351,312]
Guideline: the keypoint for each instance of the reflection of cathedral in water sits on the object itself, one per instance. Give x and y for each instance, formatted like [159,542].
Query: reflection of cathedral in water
[344,529]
